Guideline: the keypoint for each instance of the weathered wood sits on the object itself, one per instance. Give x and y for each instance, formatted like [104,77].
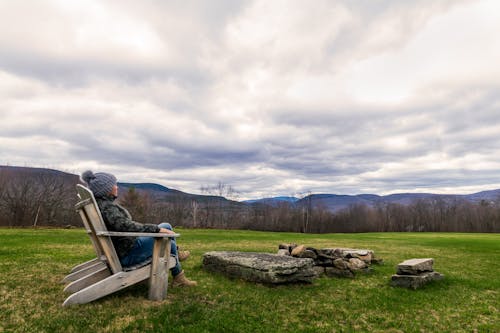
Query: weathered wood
[158,281]
[85,265]
[109,285]
[88,280]
[97,225]
[137,234]
[83,272]
[87,199]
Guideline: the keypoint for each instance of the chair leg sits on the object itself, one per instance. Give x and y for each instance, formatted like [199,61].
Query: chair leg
[108,286]
[88,280]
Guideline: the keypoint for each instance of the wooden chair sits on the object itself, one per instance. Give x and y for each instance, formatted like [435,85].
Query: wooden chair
[105,275]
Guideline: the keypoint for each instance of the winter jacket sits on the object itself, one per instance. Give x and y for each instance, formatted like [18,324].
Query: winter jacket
[118,218]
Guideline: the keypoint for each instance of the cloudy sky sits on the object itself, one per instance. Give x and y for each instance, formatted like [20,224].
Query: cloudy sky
[270,97]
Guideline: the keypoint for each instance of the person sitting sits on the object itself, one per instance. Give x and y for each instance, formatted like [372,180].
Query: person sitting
[131,250]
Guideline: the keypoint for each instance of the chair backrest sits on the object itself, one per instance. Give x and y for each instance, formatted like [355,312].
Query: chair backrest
[93,222]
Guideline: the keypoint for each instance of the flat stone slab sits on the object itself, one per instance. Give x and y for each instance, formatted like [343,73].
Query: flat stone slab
[415,281]
[415,266]
[260,267]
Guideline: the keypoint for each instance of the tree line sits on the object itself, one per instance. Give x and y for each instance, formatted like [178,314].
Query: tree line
[47,199]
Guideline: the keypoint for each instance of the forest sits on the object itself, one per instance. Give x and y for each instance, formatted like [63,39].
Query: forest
[46,199]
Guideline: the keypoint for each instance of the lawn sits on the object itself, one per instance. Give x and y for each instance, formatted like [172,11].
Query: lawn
[33,261]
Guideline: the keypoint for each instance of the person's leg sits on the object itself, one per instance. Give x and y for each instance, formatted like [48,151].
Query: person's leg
[142,250]
[173,250]
[180,278]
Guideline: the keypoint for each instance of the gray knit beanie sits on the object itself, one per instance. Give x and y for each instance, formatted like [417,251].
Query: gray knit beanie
[101,183]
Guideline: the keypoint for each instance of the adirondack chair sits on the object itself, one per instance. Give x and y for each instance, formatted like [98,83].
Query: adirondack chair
[93,265]
[105,275]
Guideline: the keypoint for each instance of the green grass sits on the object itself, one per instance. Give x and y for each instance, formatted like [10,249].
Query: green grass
[32,262]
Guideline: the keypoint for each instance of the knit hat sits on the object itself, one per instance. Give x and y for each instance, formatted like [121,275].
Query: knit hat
[101,183]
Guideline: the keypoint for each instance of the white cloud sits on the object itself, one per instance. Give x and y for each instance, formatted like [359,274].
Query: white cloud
[273,98]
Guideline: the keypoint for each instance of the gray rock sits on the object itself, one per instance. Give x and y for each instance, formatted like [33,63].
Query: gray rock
[415,266]
[326,253]
[356,264]
[260,267]
[377,261]
[307,254]
[323,262]
[335,272]
[283,252]
[319,270]
[415,281]
[340,264]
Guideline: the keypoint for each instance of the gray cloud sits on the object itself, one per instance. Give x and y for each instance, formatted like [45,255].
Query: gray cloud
[272,98]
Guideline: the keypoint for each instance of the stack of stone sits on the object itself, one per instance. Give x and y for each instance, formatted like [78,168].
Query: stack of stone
[414,273]
[333,262]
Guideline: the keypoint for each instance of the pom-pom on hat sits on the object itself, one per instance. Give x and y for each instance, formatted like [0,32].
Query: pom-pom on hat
[100,183]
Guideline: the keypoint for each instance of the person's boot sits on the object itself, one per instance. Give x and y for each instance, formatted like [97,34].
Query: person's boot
[180,280]
[183,255]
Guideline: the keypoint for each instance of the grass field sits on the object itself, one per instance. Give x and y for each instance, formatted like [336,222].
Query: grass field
[32,262]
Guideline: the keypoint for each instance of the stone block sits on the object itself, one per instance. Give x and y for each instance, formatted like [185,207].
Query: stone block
[415,266]
[415,281]
[260,267]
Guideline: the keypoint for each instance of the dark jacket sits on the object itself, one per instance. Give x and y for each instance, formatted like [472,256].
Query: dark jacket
[118,218]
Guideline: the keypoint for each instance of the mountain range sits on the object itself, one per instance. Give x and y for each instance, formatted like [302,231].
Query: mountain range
[331,202]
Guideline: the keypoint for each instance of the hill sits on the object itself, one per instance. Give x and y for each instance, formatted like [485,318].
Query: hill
[335,202]
[331,202]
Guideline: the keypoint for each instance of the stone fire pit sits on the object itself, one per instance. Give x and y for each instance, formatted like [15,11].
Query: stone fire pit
[260,267]
[333,262]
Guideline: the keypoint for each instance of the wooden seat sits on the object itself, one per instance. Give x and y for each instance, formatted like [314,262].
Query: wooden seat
[105,275]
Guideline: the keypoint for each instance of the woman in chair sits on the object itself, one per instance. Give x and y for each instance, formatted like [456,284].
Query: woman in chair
[130,250]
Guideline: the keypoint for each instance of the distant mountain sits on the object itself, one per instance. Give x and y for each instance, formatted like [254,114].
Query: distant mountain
[272,201]
[331,202]
[335,202]
[11,172]
[145,187]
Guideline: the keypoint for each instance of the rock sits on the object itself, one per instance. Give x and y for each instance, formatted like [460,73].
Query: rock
[260,267]
[307,254]
[356,264]
[298,250]
[283,252]
[415,266]
[326,253]
[335,272]
[319,270]
[366,270]
[340,264]
[415,281]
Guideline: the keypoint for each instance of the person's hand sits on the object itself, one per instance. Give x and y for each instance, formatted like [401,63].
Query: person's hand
[166,231]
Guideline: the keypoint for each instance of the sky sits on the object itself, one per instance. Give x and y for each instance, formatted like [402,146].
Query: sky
[272,98]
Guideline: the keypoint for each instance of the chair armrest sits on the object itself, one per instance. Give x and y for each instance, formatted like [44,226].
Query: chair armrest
[136,234]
